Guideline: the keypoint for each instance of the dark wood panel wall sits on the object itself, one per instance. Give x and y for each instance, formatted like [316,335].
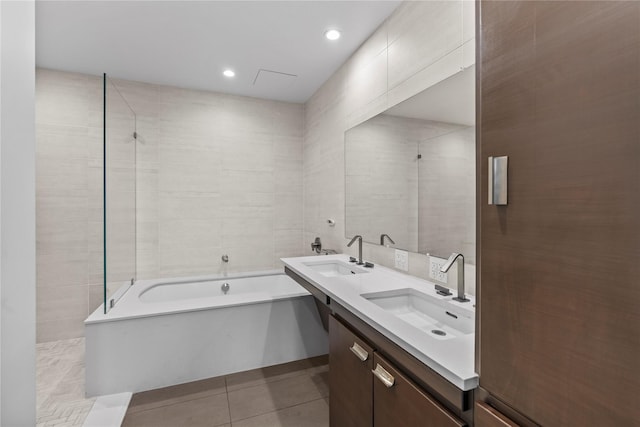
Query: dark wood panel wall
[559,266]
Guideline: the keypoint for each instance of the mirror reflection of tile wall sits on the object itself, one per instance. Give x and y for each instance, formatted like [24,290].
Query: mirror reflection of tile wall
[447,202]
[425,204]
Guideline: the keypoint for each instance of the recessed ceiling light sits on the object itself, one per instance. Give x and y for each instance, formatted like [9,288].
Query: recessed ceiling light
[332,34]
[229,73]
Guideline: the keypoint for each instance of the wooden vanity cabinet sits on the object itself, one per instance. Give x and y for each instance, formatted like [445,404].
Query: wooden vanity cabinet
[350,379]
[397,401]
[367,390]
[357,398]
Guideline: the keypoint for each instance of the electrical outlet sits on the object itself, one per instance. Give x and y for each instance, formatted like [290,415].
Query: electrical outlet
[402,260]
[435,264]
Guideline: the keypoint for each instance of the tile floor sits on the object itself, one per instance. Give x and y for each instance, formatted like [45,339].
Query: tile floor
[288,395]
[292,394]
[60,400]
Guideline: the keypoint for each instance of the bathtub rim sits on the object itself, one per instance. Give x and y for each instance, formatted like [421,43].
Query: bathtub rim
[163,309]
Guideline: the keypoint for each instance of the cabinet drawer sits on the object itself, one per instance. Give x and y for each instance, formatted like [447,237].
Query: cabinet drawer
[350,379]
[486,416]
[398,402]
[422,375]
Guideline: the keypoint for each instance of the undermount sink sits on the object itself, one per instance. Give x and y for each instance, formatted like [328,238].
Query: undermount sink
[436,317]
[334,268]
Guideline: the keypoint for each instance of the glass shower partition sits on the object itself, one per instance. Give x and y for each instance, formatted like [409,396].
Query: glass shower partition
[119,193]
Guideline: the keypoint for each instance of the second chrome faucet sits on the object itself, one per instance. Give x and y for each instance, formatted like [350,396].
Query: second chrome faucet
[382,237]
[460,273]
[359,239]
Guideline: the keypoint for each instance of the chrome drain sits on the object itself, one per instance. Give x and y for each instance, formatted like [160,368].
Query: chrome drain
[438,332]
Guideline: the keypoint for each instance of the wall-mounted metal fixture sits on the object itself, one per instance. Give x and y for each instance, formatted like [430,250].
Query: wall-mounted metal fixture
[331,222]
[316,245]
[498,180]
[225,288]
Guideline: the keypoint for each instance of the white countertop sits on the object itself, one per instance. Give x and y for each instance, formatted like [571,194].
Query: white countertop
[451,358]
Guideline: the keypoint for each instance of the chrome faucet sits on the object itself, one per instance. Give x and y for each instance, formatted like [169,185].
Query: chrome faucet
[359,239]
[382,236]
[460,267]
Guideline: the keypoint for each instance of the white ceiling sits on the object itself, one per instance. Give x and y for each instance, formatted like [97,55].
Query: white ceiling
[189,43]
[450,101]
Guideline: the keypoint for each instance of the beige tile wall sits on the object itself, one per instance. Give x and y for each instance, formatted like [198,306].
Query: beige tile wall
[447,199]
[68,150]
[421,44]
[381,185]
[216,174]
[386,183]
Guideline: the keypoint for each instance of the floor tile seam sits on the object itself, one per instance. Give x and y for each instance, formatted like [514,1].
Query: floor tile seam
[73,397]
[80,416]
[60,413]
[50,384]
[66,353]
[51,417]
[236,388]
[199,395]
[70,389]
[59,373]
[228,376]
[278,410]
[69,384]
[131,410]
[77,403]
[59,367]
[226,388]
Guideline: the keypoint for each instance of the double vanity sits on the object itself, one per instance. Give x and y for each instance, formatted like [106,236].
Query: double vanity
[400,352]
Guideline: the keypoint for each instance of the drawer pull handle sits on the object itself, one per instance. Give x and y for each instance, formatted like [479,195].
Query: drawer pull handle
[384,376]
[360,352]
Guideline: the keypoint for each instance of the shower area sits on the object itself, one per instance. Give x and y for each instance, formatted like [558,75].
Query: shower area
[201,197]
[146,183]
[194,184]
[151,183]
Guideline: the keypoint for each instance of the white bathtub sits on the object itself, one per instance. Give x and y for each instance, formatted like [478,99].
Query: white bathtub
[241,289]
[166,332]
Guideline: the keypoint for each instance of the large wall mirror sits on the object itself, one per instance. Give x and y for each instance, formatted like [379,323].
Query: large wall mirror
[410,172]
